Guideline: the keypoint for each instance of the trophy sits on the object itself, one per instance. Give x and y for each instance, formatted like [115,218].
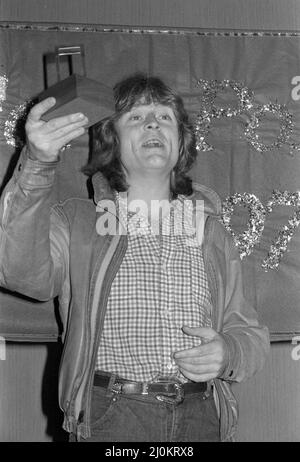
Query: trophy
[77,93]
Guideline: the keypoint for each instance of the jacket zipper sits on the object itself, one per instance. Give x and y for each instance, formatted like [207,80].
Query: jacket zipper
[116,259]
[209,267]
[214,288]
[87,334]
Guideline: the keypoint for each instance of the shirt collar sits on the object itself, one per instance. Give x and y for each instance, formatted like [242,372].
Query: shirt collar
[179,221]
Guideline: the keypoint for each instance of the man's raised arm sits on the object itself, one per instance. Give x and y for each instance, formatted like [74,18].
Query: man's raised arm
[34,238]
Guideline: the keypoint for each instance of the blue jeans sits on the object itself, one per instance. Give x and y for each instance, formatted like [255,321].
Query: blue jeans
[135,418]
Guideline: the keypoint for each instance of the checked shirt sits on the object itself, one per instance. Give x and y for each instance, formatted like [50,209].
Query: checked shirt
[161,285]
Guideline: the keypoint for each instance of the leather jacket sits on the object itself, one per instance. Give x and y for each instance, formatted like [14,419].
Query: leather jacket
[52,249]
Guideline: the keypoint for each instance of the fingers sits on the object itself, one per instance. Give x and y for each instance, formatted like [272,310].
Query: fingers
[197,358]
[205,377]
[34,120]
[207,349]
[39,109]
[199,369]
[46,147]
[66,127]
[206,333]
[203,362]
[70,135]
[61,125]
[45,139]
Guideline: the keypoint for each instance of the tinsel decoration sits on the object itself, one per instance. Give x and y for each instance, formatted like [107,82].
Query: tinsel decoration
[209,111]
[14,126]
[285,130]
[255,226]
[3,87]
[279,247]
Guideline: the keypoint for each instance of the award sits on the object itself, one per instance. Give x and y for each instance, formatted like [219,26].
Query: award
[77,93]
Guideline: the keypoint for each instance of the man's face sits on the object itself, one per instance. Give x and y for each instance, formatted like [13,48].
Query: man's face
[148,136]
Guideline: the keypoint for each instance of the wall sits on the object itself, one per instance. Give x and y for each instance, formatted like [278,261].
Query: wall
[229,14]
[269,402]
[28,384]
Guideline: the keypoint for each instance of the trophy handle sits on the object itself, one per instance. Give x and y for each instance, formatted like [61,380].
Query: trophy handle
[69,51]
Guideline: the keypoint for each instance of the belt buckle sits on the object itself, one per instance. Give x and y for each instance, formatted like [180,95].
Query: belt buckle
[178,398]
[130,388]
[117,387]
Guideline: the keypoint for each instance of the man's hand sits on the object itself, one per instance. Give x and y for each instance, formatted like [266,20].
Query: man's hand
[206,361]
[45,139]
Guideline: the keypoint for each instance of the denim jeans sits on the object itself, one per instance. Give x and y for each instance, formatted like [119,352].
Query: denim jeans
[135,418]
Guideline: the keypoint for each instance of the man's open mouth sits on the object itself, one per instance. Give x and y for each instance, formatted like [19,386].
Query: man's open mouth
[153,143]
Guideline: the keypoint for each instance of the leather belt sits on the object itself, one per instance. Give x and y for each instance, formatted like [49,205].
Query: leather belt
[163,390]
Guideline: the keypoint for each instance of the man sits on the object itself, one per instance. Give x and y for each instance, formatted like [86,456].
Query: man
[149,282]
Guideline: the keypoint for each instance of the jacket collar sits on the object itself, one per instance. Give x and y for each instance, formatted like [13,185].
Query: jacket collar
[212,202]
[102,189]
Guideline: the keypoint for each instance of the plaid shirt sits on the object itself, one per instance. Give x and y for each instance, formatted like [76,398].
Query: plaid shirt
[161,285]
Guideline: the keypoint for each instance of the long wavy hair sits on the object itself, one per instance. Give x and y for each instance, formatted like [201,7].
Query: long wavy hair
[106,155]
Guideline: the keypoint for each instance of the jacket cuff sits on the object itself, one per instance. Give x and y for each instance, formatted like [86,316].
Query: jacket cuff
[233,358]
[32,173]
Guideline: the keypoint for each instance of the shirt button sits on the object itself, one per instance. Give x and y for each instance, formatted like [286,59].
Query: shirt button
[169,366]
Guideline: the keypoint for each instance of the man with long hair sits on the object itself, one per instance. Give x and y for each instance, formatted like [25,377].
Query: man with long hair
[156,325]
